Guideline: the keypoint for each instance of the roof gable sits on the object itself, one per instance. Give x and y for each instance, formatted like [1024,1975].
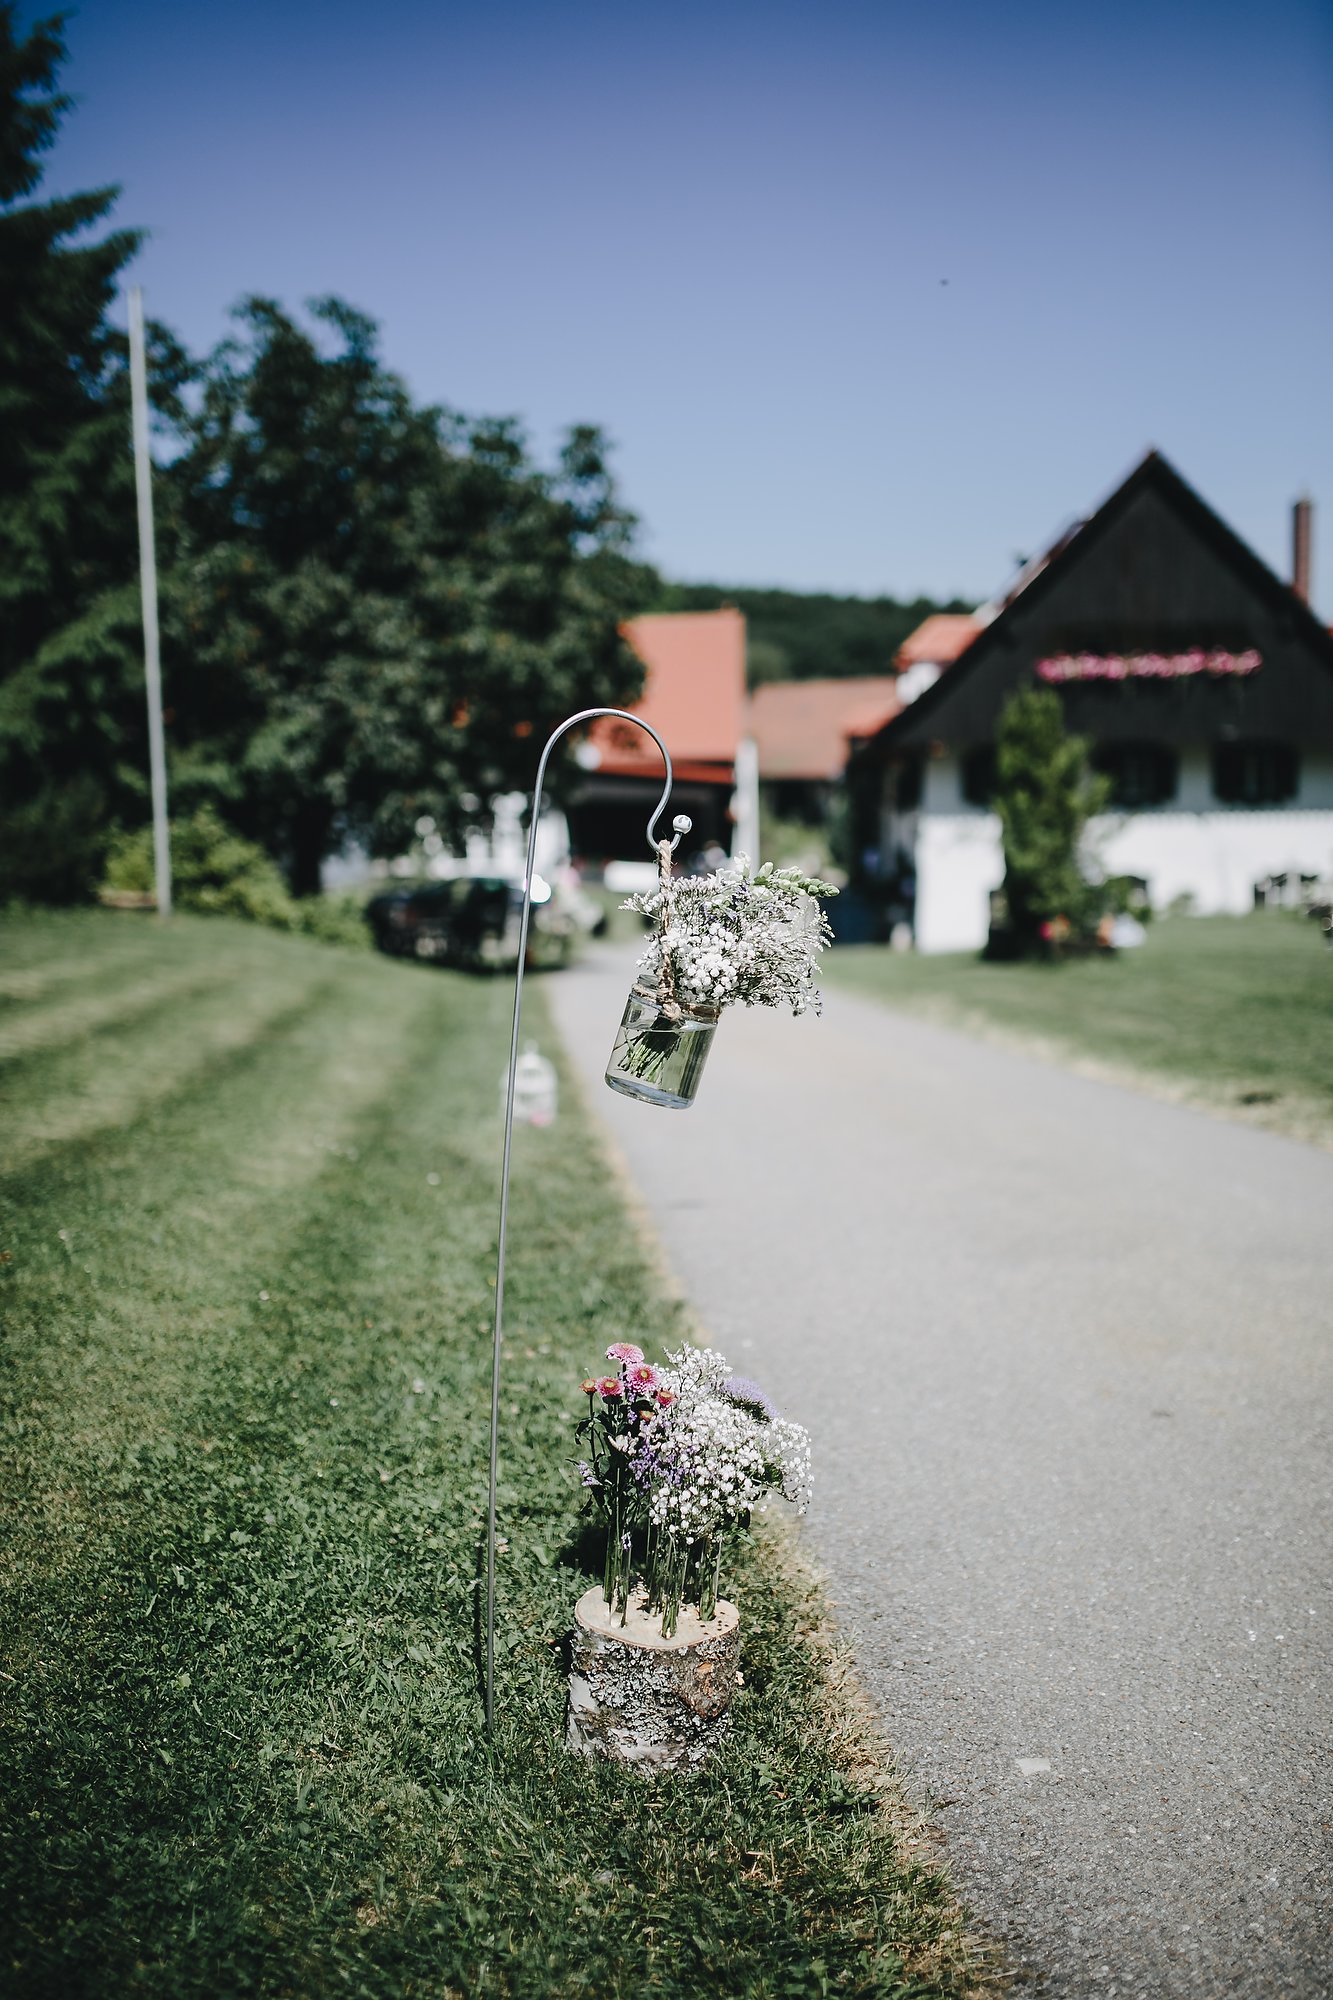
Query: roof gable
[1154,570]
[802,728]
[939,639]
[693,695]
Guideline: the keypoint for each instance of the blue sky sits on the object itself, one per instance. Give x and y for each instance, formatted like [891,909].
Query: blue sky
[723,233]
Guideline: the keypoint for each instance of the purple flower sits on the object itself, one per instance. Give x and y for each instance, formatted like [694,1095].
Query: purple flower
[739,1389]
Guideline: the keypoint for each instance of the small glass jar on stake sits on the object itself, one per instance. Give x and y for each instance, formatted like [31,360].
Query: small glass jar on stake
[738,936]
[662,1044]
[660,1050]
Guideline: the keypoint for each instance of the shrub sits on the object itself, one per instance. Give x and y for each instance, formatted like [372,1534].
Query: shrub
[1045,797]
[219,872]
[53,846]
[333,919]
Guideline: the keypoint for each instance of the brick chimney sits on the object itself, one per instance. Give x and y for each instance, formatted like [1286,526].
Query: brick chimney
[1301,515]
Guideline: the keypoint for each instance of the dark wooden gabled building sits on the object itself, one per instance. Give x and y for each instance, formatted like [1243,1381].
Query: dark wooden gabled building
[1203,681]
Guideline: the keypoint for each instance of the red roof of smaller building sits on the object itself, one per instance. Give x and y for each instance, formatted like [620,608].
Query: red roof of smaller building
[801,728]
[693,695]
[939,639]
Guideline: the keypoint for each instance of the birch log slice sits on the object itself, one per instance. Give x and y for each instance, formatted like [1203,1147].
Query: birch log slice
[639,1699]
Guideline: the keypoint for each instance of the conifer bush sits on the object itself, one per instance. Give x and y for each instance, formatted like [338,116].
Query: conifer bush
[1045,795]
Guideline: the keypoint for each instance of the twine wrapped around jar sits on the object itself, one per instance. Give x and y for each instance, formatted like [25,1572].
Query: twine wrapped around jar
[665,993]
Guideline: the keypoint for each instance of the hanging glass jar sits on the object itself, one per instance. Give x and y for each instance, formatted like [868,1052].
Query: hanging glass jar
[660,1050]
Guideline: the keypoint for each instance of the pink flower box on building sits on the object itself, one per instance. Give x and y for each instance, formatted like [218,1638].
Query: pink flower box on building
[1148,666]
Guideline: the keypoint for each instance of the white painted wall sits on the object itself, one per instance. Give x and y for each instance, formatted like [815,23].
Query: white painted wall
[959,861]
[1192,846]
[1216,857]
[914,680]
[1215,853]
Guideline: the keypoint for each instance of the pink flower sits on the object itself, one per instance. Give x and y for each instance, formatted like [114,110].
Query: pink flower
[624,1350]
[665,1398]
[609,1388]
[643,1377]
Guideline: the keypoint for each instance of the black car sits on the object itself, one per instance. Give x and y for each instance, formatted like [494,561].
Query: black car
[472,921]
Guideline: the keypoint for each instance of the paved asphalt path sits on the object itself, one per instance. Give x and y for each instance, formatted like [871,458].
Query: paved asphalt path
[1066,1353]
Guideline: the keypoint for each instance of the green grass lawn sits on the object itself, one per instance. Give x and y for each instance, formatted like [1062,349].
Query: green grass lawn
[247,1212]
[1234,1012]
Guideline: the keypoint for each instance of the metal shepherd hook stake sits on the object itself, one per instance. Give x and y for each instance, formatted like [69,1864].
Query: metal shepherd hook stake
[681,825]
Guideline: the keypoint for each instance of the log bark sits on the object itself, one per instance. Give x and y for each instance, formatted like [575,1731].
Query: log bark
[636,1698]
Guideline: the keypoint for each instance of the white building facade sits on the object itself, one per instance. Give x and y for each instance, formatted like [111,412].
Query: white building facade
[1213,855]
[1203,684]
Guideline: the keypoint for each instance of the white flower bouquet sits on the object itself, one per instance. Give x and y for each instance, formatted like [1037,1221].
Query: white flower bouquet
[679,1458]
[741,937]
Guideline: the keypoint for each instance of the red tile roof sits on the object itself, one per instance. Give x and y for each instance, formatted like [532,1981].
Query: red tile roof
[939,639]
[801,728]
[693,695]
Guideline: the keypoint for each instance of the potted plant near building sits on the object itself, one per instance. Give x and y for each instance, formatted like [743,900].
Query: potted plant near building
[678,1459]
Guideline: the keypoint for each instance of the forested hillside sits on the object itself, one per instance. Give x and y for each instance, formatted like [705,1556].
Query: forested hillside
[807,635]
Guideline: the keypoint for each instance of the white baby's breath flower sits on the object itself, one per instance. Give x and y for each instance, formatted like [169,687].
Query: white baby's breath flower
[737,937]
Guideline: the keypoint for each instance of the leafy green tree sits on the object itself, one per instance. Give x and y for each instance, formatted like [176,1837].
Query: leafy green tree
[1045,797]
[383,608]
[72,728]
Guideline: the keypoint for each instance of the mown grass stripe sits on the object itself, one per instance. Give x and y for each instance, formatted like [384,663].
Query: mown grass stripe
[242,1749]
[39,951]
[41,1030]
[247,1149]
[70,1095]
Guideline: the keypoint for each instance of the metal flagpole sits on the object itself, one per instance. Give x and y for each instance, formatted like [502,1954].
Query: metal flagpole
[681,825]
[143,473]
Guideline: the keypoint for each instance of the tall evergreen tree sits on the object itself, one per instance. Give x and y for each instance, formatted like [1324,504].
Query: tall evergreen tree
[1045,796]
[380,604]
[71,666]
